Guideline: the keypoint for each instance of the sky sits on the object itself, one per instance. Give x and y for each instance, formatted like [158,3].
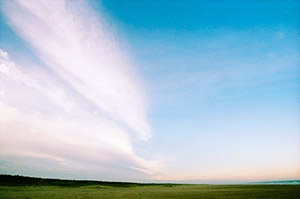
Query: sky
[150,91]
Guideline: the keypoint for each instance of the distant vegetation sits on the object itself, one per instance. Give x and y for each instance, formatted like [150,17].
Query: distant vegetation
[9,180]
[29,187]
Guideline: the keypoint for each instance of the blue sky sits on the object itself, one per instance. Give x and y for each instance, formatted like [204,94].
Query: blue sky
[204,91]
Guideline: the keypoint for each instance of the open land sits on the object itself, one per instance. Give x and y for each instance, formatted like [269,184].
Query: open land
[26,187]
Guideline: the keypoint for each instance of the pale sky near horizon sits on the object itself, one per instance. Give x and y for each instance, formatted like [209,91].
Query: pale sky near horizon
[147,91]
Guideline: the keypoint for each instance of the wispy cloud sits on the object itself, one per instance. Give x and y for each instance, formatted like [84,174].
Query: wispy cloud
[87,105]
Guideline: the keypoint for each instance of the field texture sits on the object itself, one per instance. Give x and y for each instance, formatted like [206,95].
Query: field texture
[127,190]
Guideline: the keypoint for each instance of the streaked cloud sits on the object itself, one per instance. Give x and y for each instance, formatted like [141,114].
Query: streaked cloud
[86,106]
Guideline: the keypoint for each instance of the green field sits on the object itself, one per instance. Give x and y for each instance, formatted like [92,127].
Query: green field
[41,188]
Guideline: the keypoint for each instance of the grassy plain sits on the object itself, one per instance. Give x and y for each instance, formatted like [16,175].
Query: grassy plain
[93,189]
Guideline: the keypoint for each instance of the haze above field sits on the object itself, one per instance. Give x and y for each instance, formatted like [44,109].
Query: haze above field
[193,91]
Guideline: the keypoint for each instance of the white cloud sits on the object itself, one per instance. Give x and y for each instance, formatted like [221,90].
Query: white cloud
[70,40]
[87,107]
